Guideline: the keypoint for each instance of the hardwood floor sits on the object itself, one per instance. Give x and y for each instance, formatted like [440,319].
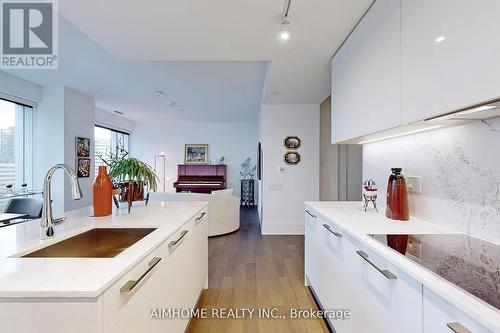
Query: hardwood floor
[248,270]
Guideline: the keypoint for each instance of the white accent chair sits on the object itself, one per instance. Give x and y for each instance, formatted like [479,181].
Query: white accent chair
[223,209]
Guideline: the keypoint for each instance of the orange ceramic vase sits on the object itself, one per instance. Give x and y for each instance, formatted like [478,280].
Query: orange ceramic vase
[103,191]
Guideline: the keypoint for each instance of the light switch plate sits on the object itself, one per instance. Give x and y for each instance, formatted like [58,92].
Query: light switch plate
[414,184]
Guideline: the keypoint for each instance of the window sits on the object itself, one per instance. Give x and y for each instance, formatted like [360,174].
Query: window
[109,144]
[16,145]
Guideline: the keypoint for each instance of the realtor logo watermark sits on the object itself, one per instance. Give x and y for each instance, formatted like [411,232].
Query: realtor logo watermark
[29,34]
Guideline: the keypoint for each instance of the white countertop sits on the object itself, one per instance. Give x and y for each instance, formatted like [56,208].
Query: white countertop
[83,277]
[352,217]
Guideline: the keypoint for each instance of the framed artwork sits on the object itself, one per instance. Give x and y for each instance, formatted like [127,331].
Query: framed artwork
[196,154]
[292,158]
[83,167]
[292,142]
[82,147]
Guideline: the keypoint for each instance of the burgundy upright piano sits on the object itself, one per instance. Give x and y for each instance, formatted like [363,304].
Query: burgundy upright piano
[198,178]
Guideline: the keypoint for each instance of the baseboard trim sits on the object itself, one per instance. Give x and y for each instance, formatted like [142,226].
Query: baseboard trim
[281,229]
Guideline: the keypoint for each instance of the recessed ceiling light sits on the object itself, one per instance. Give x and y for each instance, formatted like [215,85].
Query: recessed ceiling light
[440,39]
[158,93]
[478,109]
[118,112]
[172,103]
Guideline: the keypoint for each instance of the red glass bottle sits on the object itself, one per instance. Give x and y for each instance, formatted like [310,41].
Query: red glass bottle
[103,191]
[397,197]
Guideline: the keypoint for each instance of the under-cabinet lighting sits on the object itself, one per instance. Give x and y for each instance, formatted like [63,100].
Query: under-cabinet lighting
[401,134]
[478,109]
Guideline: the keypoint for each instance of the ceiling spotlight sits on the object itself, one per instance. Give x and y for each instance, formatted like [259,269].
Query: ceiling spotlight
[285,30]
[158,93]
[440,39]
[285,24]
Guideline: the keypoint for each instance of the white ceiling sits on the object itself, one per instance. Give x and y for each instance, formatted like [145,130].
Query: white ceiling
[216,59]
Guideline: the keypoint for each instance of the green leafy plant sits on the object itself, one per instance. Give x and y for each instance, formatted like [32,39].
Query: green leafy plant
[247,170]
[134,172]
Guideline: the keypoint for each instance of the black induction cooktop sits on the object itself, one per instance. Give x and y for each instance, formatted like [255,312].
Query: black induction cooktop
[470,263]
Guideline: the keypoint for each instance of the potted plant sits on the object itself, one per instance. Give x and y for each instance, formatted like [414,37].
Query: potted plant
[132,177]
[112,157]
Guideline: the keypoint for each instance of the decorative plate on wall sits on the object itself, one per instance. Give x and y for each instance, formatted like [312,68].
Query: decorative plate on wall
[292,158]
[291,142]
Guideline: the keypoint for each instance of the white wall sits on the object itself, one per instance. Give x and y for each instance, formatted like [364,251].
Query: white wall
[329,156]
[284,193]
[113,121]
[234,141]
[61,116]
[460,175]
[19,90]
[49,142]
[79,119]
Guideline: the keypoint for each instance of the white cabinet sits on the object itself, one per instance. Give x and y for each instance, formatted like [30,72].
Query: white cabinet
[175,282]
[366,75]
[170,276]
[385,299]
[342,279]
[333,245]
[411,60]
[439,315]
[449,55]
[311,264]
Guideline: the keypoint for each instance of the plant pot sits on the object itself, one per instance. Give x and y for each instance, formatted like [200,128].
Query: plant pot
[131,192]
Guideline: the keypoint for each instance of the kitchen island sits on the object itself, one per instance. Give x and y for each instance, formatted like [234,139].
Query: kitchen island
[167,268]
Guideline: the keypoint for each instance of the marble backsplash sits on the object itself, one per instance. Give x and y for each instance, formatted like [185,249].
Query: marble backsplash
[460,170]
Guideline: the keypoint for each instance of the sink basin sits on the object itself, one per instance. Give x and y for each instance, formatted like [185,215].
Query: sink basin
[95,243]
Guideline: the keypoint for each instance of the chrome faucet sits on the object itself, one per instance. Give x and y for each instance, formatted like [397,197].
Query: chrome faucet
[47,223]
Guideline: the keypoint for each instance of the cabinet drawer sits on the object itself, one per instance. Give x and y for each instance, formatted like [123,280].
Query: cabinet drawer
[171,276]
[332,287]
[385,299]
[439,315]
[311,265]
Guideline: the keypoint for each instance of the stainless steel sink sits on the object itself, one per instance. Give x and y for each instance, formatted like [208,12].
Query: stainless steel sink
[95,243]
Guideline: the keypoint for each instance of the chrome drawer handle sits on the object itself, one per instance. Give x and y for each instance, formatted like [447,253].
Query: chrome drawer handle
[174,242]
[388,274]
[199,218]
[310,214]
[327,227]
[127,287]
[458,328]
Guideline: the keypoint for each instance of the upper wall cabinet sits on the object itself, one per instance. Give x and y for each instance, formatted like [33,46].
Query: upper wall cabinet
[450,55]
[366,76]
